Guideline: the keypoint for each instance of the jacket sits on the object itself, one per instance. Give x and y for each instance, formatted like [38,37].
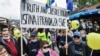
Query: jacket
[52,53]
[25,47]
[2,42]
[85,49]
[33,48]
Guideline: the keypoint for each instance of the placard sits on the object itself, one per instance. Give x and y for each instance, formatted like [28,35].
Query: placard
[35,15]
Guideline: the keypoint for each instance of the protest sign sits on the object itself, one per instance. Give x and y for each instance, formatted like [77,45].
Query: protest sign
[34,14]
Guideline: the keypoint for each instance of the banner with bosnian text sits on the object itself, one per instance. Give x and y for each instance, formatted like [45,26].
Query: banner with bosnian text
[34,14]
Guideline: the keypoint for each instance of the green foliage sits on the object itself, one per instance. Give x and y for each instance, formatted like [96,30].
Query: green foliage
[84,3]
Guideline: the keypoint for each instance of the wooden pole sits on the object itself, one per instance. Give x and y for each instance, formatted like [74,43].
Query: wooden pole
[21,43]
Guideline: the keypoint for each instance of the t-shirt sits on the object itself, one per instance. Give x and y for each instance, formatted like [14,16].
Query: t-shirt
[46,54]
[78,50]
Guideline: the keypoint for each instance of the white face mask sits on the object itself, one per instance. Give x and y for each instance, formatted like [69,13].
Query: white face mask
[6,37]
[83,35]
[34,40]
[45,50]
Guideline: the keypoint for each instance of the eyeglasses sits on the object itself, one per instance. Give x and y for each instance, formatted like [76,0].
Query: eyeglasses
[46,47]
[76,37]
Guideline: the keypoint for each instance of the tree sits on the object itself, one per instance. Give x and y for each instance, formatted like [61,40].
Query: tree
[85,3]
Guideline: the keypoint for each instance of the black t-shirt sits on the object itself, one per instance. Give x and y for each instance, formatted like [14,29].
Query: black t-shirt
[46,54]
[78,50]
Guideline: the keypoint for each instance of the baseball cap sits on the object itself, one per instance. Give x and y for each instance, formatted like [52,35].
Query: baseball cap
[33,34]
[77,33]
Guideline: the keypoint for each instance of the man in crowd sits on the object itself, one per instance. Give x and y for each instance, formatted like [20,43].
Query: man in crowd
[77,47]
[61,42]
[33,45]
[25,43]
[9,42]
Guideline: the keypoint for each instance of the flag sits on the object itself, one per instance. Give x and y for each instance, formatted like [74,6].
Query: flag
[49,3]
[69,5]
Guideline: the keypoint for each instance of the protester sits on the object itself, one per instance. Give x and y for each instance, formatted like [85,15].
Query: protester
[34,44]
[10,43]
[90,27]
[77,47]
[61,39]
[3,51]
[44,35]
[25,43]
[83,24]
[83,35]
[53,38]
[97,29]
[45,50]
[69,36]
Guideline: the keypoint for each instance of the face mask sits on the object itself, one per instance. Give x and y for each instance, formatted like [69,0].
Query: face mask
[83,35]
[34,40]
[45,50]
[6,37]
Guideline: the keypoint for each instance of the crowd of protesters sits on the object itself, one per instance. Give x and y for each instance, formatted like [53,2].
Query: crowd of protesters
[42,42]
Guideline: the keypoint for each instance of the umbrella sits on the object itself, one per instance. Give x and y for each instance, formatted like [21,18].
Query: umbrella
[77,15]
[83,13]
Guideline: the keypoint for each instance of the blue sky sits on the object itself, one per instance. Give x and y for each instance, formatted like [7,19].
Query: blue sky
[11,8]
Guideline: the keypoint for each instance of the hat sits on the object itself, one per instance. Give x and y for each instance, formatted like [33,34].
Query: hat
[34,34]
[77,33]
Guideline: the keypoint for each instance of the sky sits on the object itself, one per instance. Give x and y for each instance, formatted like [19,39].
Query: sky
[11,8]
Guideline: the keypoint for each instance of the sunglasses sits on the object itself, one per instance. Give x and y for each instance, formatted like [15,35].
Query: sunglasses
[76,37]
[46,47]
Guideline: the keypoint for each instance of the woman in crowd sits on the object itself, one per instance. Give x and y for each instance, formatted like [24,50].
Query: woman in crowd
[3,51]
[45,50]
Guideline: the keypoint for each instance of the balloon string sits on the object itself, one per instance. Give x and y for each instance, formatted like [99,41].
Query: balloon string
[91,53]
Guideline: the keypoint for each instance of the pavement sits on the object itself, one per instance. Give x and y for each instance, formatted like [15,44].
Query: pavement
[57,51]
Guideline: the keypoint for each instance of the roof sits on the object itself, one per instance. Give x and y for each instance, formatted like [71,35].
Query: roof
[90,8]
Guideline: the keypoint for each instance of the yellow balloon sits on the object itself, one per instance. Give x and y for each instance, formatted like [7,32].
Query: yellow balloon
[75,24]
[17,33]
[93,41]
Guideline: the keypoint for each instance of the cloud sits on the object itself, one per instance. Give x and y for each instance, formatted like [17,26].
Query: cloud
[10,8]
[4,2]
[41,1]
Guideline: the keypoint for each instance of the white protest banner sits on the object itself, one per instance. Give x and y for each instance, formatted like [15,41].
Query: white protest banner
[35,15]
